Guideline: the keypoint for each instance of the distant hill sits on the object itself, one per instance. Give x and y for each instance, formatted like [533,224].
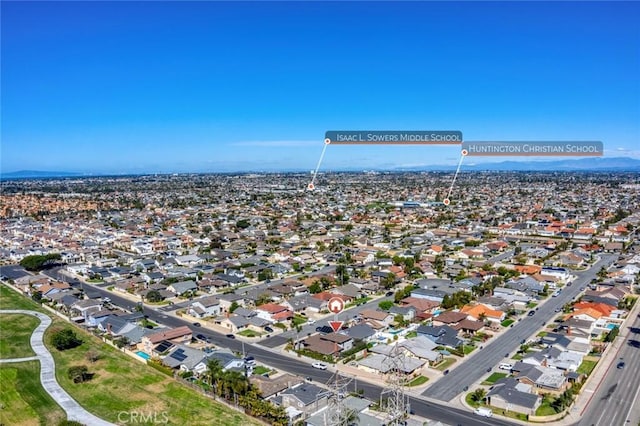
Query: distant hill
[594,164]
[26,174]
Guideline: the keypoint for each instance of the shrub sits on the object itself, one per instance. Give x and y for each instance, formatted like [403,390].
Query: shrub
[79,373]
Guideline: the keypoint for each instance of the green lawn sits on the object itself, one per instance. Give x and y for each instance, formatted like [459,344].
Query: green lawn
[468,349]
[261,369]
[517,357]
[24,400]
[545,409]
[446,363]
[542,334]
[15,333]
[298,320]
[507,322]
[249,333]
[411,335]
[418,381]
[587,367]
[121,383]
[494,378]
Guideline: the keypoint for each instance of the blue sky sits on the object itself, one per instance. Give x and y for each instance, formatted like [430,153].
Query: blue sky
[121,87]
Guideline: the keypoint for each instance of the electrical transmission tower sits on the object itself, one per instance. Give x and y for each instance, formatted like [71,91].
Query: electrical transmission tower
[393,400]
[337,414]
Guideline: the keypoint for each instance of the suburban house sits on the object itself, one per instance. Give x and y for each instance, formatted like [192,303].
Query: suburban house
[509,394]
[542,379]
[182,287]
[481,312]
[273,312]
[302,400]
[381,317]
[174,335]
[442,335]
[274,386]
[208,306]
[186,359]
[327,344]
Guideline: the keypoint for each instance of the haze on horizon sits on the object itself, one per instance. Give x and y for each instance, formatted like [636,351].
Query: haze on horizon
[130,87]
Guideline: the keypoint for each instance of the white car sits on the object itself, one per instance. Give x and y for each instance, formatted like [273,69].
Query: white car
[311,321]
[484,412]
[319,365]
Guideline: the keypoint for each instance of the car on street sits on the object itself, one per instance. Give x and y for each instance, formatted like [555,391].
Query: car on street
[484,412]
[231,336]
[319,365]
[196,324]
[311,321]
[201,337]
[557,310]
[531,313]
[620,365]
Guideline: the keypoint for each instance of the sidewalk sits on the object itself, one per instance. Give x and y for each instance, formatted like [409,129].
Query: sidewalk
[73,410]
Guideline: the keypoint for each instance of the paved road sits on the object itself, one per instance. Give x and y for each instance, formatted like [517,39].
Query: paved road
[274,358]
[617,399]
[472,369]
[48,376]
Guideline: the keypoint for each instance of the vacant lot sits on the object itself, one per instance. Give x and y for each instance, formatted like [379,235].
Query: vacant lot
[121,384]
[15,332]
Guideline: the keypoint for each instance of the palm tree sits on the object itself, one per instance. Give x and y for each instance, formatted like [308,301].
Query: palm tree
[214,373]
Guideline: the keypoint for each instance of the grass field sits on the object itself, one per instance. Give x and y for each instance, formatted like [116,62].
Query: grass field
[121,384]
[24,400]
[15,332]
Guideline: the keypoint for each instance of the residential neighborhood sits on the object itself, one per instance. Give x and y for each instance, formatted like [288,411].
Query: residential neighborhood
[421,289]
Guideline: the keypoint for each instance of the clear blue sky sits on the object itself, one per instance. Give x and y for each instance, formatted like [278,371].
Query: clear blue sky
[214,86]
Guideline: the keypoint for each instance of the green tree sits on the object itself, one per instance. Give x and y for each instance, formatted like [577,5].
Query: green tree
[154,296]
[263,298]
[315,288]
[385,305]
[234,305]
[479,395]
[65,339]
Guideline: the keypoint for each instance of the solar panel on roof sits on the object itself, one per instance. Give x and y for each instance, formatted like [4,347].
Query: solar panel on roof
[179,355]
[164,346]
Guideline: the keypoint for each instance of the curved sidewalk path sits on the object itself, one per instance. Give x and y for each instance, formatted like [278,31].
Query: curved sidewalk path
[47,373]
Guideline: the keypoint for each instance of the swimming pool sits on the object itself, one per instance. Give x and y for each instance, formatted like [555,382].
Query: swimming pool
[143,355]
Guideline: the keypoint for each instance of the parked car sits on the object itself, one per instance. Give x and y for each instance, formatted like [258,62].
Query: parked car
[231,336]
[196,324]
[531,313]
[484,412]
[311,321]
[319,365]
[268,329]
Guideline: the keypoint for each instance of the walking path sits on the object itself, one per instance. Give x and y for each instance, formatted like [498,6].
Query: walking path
[47,373]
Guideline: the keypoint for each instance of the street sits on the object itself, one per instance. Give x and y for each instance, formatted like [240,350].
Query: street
[471,370]
[616,401]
